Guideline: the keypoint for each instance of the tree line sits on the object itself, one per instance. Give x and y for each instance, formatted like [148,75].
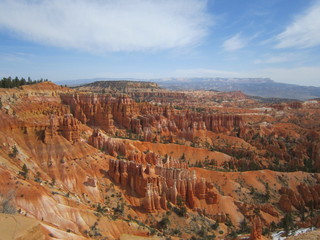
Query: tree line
[8,82]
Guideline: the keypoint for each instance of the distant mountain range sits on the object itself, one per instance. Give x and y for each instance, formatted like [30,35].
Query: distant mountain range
[263,87]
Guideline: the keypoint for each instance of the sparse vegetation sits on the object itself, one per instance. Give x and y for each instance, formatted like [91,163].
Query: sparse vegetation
[287,223]
[94,231]
[24,172]
[14,152]
[53,182]
[244,227]
[163,224]
[101,209]
[181,210]
[37,177]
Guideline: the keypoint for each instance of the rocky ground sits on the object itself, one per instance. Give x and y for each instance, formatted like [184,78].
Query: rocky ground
[314,235]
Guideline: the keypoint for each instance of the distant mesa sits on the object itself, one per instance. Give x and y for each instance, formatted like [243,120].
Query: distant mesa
[123,86]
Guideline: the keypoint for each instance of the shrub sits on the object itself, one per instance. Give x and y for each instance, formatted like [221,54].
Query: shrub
[163,224]
[37,177]
[181,212]
[24,172]
[14,152]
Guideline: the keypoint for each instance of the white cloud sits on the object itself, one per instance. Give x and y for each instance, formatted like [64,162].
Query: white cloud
[108,25]
[304,32]
[234,43]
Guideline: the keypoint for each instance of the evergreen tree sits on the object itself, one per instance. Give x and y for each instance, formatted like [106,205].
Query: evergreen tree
[16,82]
[24,172]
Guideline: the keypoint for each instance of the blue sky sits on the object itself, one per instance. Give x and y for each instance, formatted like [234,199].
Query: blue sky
[76,39]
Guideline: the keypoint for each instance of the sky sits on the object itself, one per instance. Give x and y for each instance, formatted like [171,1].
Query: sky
[79,39]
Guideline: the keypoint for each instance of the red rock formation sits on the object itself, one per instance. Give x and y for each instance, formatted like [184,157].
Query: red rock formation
[201,189]
[109,145]
[146,120]
[90,182]
[305,196]
[91,109]
[148,202]
[285,203]
[295,105]
[268,208]
[51,130]
[159,184]
[152,200]
[290,199]
[310,195]
[190,193]
[163,201]
[220,217]
[68,128]
[316,155]
[119,148]
[316,221]
[256,231]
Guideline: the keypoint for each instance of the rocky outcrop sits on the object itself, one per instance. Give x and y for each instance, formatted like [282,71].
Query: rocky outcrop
[91,109]
[256,231]
[163,96]
[66,126]
[305,196]
[310,195]
[248,209]
[158,184]
[129,175]
[295,105]
[118,148]
[290,200]
[152,200]
[316,155]
[52,130]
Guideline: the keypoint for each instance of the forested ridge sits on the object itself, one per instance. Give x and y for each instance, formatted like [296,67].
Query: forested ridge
[8,82]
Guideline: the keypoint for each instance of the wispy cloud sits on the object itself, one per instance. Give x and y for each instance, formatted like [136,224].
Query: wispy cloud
[16,57]
[234,43]
[278,58]
[304,31]
[202,72]
[109,25]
